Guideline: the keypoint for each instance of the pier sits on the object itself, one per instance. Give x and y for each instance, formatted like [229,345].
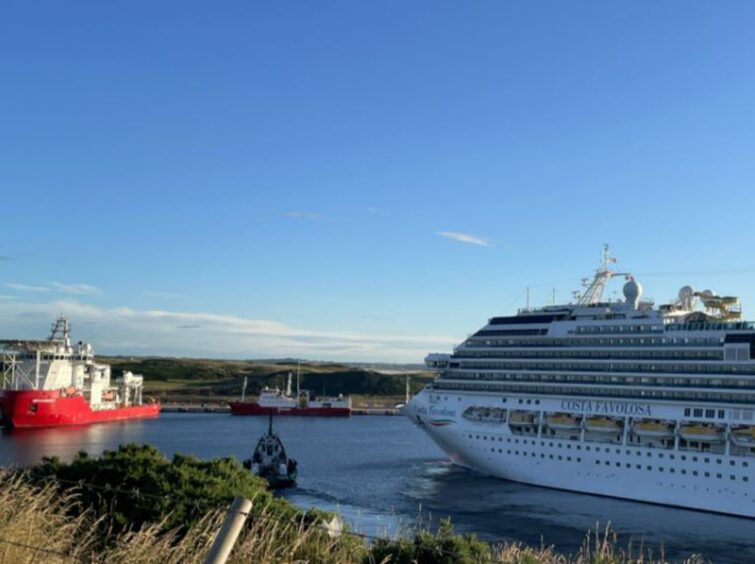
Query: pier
[194,408]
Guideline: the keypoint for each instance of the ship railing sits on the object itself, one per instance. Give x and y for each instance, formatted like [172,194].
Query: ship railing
[717,326]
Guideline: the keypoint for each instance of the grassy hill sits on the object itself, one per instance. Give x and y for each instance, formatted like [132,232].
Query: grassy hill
[208,381]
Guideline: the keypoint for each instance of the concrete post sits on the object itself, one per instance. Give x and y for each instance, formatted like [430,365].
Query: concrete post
[229,532]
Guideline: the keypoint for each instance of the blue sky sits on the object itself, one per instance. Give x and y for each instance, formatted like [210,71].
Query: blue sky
[272,179]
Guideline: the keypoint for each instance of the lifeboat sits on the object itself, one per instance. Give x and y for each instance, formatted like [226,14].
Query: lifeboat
[485,414]
[653,428]
[603,425]
[522,419]
[563,421]
[743,436]
[108,395]
[701,432]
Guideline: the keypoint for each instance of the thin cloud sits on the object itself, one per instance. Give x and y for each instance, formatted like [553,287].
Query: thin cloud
[374,210]
[26,287]
[303,215]
[77,289]
[161,332]
[6,258]
[465,238]
[8,297]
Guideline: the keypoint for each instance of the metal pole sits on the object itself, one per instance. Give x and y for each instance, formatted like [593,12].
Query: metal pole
[229,532]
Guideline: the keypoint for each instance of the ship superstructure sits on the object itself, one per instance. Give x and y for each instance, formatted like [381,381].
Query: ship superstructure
[54,382]
[619,398]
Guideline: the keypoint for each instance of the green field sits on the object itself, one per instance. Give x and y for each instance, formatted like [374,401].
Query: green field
[181,380]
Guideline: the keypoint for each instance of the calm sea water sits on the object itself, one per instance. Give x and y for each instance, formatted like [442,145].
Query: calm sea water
[382,473]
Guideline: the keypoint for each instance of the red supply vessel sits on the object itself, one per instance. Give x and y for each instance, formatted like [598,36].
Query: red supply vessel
[51,383]
[277,402]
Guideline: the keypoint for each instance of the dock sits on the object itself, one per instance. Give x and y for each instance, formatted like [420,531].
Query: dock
[193,408]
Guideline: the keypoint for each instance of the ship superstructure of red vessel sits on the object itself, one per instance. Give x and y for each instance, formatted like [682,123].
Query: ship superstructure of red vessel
[50,383]
[278,402]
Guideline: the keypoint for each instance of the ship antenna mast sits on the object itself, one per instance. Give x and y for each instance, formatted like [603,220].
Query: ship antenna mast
[594,290]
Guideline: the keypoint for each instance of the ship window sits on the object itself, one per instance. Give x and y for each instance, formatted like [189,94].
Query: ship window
[672,470]
[745,478]
[732,477]
[721,413]
[639,467]
[707,474]
[732,463]
[710,413]
[718,476]
[698,412]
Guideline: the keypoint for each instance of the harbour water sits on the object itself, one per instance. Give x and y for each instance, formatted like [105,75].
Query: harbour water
[382,473]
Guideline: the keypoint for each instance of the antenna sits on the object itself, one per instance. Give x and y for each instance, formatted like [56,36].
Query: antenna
[298,372]
[528,297]
[243,389]
[554,295]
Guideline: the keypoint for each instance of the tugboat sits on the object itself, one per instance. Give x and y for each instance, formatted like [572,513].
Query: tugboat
[270,461]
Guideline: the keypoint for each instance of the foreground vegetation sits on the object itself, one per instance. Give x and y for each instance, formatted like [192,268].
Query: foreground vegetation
[133,505]
[184,380]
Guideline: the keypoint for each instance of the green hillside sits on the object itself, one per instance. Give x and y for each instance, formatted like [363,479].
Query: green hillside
[208,380]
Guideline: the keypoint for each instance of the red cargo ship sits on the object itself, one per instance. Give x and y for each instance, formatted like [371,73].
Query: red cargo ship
[273,400]
[52,383]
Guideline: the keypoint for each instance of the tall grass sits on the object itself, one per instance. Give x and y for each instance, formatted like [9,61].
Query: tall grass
[41,524]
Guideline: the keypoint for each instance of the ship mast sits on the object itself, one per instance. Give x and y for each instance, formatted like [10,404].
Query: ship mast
[593,293]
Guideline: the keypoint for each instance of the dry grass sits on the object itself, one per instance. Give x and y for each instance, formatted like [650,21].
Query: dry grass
[57,531]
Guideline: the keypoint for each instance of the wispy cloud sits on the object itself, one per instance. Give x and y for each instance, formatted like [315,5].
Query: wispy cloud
[161,332]
[8,297]
[77,289]
[304,215]
[465,238]
[374,210]
[26,287]
[6,258]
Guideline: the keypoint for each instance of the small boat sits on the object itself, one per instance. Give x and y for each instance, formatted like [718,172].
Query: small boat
[701,432]
[603,425]
[271,462]
[564,421]
[743,436]
[653,428]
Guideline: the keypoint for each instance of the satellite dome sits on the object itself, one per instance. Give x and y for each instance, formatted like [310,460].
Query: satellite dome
[632,293]
[686,293]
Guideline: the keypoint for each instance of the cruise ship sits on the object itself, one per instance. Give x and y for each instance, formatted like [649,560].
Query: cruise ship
[615,398]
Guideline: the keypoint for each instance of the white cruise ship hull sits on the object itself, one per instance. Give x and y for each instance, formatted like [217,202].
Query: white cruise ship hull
[690,479]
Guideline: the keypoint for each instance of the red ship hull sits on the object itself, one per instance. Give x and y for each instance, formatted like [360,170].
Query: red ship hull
[49,408]
[252,408]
